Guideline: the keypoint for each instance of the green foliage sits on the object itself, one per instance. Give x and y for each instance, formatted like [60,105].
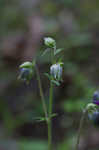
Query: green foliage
[74,105]
[33,145]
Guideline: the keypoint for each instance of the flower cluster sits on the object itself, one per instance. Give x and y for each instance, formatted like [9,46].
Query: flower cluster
[56,69]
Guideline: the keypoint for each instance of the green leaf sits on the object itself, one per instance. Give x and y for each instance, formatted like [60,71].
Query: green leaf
[53,115]
[39,119]
[55,82]
[46,50]
[58,51]
[52,80]
[48,76]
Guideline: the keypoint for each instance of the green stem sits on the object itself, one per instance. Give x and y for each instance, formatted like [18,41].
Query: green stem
[41,93]
[50,108]
[50,119]
[49,135]
[50,99]
[80,129]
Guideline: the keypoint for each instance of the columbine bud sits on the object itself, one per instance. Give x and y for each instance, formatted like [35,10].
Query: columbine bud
[94,118]
[96,98]
[50,42]
[26,71]
[26,65]
[25,74]
[56,71]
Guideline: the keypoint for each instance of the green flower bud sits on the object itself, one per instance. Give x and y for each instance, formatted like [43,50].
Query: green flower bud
[91,108]
[26,65]
[26,71]
[49,42]
[26,74]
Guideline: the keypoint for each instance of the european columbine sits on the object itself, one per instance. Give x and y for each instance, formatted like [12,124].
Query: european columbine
[26,73]
[96,98]
[92,113]
[56,71]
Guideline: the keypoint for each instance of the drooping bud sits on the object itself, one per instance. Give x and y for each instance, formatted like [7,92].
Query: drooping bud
[25,74]
[56,71]
[94,118]
[49,42]
[26,65]
[96,98]
[26,71]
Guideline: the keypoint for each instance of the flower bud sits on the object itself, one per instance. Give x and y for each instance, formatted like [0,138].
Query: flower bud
[96,98]
[94,118]
[25,74]
[50,42]
[26,65]
[56,71]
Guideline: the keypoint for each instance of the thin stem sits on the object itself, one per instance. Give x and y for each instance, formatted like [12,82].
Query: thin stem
[50,99]
[50,108]
[80,129]
[49,135]
[50,120]
[41,92]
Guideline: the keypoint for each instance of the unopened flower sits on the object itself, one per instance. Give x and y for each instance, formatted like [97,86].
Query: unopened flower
[26,64]
[56,71]
[25,74]
[94,118]
[49,42]
[26,71]
[96,98]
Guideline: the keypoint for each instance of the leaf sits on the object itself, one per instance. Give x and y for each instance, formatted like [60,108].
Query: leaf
[39,119]
[47,75]
[53,115]
[46,50]
[52,80]
[58,51]
[55,82]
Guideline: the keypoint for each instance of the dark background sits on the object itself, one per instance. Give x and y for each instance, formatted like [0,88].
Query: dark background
[74,24]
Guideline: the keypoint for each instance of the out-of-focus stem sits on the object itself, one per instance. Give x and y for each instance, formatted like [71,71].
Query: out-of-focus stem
[80,129]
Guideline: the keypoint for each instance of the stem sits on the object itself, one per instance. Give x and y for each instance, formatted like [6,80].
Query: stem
[80,129]
[41,92]
[50,120]
[49,135]
[50,99]
[50,107]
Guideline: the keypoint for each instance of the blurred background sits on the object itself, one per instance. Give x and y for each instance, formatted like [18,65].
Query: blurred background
[75,27]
